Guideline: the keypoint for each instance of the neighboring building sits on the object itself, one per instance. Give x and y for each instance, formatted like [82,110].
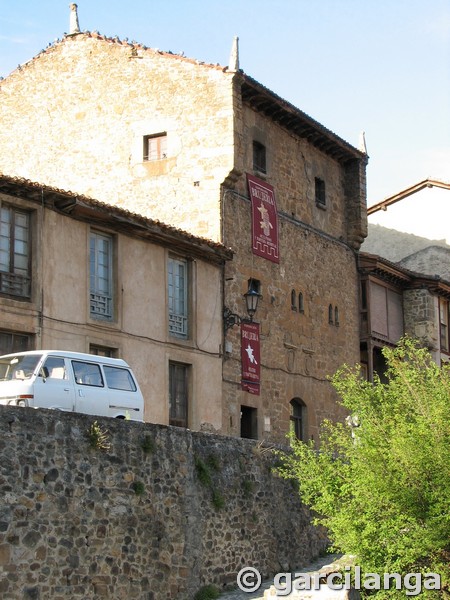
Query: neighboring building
[423,209]
[405,277]
[208,149]
[77,274]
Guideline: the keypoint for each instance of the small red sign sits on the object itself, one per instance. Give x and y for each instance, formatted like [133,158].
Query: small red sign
[250,357]
[264,219]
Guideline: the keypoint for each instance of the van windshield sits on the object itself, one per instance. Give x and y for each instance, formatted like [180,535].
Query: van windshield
[18,367]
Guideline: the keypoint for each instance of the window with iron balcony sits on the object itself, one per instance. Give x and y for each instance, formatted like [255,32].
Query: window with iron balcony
[178,273]
[101,276]
[15,252]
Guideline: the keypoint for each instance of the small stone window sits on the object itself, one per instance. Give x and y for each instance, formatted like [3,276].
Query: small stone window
[330,314]
[259,157]
[298,418]
[301,306]
[293,300]
[320,193]
[155,147]
[336,316]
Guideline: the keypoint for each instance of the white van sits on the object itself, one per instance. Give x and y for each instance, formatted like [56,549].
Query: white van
[71,381]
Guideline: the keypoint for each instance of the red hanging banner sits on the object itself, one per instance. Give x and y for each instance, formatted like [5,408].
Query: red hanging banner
[264,219]
[250,355]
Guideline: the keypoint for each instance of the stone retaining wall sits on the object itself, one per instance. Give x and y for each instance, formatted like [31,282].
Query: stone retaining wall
[157,515]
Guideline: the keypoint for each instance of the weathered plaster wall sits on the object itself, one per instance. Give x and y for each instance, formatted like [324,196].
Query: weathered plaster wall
[73,526]
[58,316]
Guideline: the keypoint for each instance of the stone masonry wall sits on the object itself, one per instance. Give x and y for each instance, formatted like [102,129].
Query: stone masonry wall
[160,513]
[421,315]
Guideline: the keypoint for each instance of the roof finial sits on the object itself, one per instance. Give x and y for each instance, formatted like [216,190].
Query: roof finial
[233,64]
[74,25]
[362,142]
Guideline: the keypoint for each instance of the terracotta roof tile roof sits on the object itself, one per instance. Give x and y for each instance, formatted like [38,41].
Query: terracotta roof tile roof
[65,200]
[115,40]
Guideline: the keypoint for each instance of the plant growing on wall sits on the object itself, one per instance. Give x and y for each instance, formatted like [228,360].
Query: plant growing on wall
[148,445]
[138,487]
[382,485]
[203,470]
[208,592]
[98,437]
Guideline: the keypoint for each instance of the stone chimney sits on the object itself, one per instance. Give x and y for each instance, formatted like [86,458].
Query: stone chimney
[74,25]
[233,64]
[362,142]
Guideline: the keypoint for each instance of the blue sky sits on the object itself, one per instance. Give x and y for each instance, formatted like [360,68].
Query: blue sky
[379,66]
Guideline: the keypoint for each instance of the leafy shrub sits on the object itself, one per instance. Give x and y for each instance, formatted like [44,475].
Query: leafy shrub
[382,485]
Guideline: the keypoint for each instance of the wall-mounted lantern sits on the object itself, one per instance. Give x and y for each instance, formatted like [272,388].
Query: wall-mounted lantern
[252,297]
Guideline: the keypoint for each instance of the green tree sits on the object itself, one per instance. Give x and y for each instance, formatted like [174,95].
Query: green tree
[382,486]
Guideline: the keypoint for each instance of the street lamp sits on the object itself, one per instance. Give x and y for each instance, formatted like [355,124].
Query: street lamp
[251,301]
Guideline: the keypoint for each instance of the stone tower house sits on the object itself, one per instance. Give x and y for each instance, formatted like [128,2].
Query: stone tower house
[182,142]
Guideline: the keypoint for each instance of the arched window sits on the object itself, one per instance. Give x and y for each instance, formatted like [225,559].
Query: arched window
[336,316]
[293,300]
[298,418]
[330,314]
[301,306]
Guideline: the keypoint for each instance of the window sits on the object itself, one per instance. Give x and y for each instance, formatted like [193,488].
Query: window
[101,283]
[15,252]
[336,316]
[320,192]
[298,418]
[259,157]
[119,379]
[14,342]
[54,368]
[155,146]
[178,298]
[254,285]
[249,422]
[87,373]
[443,318]
[102,351]
[178,394]
[301,305]
[330,314]
[293,300]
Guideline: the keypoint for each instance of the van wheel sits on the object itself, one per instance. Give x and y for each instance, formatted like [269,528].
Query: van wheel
[120,417]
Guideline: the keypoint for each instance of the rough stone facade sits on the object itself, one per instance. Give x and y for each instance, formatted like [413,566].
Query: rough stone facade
[88,103]
[299,348]
[421,315]
[433,260]
[157,515]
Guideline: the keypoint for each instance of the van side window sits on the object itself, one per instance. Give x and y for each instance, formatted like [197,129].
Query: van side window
[119,379]
[54,368]
[87,373]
